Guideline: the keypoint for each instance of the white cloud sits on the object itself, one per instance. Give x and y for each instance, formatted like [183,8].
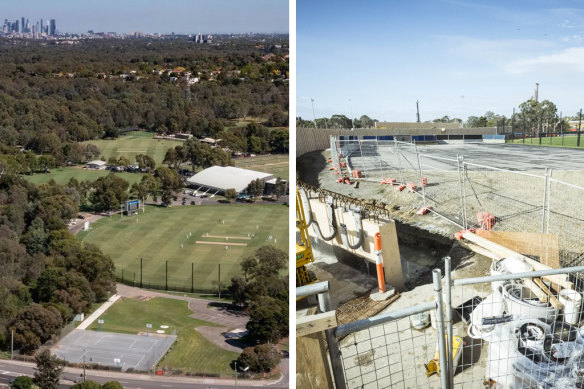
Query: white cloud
[571,59]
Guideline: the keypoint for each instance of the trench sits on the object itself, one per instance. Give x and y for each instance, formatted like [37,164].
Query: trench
[352,276]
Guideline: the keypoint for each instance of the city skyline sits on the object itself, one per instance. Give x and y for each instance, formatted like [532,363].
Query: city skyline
[458,58]
[149,16]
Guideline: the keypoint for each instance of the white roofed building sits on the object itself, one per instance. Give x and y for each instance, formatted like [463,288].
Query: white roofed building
[221,178]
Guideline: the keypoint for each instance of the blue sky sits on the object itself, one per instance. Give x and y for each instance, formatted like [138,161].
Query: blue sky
[180,16]
[459,58]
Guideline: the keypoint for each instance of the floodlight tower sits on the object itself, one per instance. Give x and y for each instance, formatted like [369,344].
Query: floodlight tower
[418,111]
[313,114]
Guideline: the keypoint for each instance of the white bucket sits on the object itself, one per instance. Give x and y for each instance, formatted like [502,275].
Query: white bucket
[571,300]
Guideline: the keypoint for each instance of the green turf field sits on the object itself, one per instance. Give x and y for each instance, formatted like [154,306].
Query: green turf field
[556,141]
[63,175]
[135,143]
[276,164]
[157,236]
[190,353]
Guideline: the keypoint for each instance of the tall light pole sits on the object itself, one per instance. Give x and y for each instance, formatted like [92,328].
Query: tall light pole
[313,114]
[235,374]
[352,120]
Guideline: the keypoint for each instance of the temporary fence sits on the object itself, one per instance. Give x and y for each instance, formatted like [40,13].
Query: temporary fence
[516,328]
[472,195]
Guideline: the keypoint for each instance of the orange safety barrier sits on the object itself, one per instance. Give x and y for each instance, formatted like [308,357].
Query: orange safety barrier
[389,181]
[379,263]
[423,211]
[343,164]
[424,181]
[357,173]
[486,220]
[401,187]
[412,187]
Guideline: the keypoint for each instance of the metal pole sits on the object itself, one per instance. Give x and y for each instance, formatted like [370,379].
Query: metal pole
[545,185]
[83,365]
[447,278]
[141,262]
[219,281]
[235,374]
[11,343]
[192,277]
[549,196]
[460,183]
[436,275]
[166,277]
[579,127]
[336,359]
[122,275]
[420,178]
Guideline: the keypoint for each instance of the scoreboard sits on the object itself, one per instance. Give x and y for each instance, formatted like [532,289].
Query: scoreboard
[132,206]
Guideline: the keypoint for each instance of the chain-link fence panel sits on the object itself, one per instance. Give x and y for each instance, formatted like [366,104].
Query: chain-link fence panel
[496,199]
[565,221]
[392,355]
[518,329]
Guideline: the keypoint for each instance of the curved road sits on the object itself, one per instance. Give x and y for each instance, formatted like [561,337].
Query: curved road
[11,369]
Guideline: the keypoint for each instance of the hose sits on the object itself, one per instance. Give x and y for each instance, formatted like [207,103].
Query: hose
[331,221]
[357,218]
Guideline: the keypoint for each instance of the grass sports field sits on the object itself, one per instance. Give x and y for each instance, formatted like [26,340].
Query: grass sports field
[276,164]
[63,175]
[190,353]
[179,235]
[134,143]
[555,141]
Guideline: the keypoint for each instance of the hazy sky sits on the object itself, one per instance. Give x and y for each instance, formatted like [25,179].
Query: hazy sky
[459,58]
[179,16]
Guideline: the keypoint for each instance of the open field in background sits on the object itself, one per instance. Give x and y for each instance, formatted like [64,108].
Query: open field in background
[555,141]
[63,175]
[190,353]
[134,143]
[276,164]
[157,235]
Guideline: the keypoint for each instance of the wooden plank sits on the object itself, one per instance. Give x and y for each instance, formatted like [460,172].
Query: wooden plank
[315,323]
[504,252]
[392,266]
[312,367]
[552,298]
[544,246]
[536,289]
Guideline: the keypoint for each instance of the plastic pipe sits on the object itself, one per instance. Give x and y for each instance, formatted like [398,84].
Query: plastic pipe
[379,263]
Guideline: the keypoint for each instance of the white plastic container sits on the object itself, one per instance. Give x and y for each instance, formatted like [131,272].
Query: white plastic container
[572,301]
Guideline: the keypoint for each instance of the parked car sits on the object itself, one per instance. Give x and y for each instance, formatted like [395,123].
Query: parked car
[80,216]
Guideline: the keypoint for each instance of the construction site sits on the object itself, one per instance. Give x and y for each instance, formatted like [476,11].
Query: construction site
[438,258]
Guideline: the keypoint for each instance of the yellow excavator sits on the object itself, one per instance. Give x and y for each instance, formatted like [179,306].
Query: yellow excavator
[304,254]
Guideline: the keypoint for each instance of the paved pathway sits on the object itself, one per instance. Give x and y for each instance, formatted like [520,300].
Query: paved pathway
[98,312]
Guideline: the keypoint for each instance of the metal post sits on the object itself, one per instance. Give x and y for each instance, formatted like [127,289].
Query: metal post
[401,177]
[461,185]
[83,365]
[545,186]
[235,374]
[447,278]
[219,281]
[141,261]
[336,359]
[579,127]
[11,343]
[166,277]
[420,178]
[192,277]
[437,275]
[122,275]
[549,195]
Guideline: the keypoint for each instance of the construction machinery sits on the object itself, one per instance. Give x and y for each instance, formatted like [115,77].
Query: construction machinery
[304,254]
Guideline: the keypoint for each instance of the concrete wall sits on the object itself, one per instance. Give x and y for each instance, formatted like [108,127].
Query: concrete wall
[311,139]
[389,243]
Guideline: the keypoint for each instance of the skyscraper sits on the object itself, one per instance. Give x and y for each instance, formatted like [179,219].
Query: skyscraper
[22,25]
[42,26]
[53,27]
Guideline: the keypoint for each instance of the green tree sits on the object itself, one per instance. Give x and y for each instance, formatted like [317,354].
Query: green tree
[169,181]
[280,188]
[109,192]
[145,162]
[238,289]
[89,384]
[230,194]
[268,320]
[22,382]
[256,188]
[48,370]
